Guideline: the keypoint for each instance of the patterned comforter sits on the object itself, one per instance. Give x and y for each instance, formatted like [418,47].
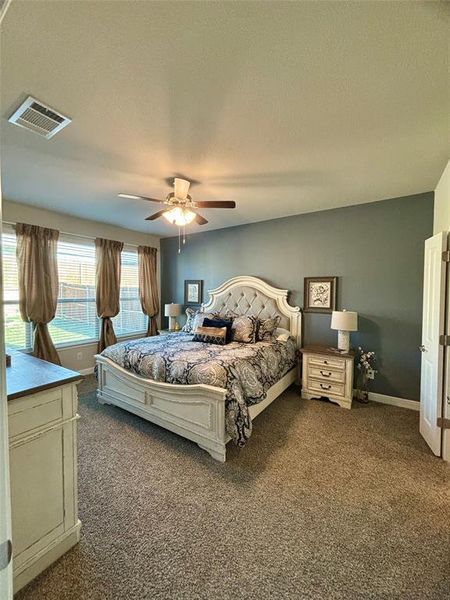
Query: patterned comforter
[246,371]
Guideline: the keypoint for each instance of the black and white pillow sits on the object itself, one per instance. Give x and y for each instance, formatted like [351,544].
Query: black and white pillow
[244,329]
[266,328]
[190,314]
[194,319]
[220,322]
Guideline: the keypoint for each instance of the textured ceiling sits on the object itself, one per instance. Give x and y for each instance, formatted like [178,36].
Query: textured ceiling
[283,107]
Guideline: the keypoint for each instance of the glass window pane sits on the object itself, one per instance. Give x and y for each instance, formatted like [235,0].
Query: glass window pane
[76,316]
[15,329]
[17,332]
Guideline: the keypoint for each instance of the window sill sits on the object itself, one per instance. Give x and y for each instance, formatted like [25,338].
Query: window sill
[69,345]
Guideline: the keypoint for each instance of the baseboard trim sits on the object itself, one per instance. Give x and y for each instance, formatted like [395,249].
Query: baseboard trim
[87,371]
[394,401]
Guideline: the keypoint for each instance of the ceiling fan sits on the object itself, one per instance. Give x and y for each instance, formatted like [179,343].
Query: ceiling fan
[180,208]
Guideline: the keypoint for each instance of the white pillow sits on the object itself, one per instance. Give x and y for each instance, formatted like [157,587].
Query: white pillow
[282,335]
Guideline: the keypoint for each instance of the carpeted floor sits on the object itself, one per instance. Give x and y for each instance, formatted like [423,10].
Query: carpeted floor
[322,504]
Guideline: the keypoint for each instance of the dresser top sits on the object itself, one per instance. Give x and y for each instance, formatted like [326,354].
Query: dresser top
[29,375]
[327,351]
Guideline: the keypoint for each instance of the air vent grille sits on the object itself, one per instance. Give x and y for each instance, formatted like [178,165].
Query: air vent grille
[38,117]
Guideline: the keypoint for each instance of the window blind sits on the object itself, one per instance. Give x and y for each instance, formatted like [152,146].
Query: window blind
[17,333]
[76,315]
[130,319]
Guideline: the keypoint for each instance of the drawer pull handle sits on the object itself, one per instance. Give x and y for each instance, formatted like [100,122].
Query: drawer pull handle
[328,374]
[325,362]
[325,387]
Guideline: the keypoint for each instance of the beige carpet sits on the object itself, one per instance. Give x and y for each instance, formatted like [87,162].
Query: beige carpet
[323,504]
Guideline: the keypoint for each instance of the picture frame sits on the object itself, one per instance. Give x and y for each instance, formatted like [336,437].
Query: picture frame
[193,291]
[320,294]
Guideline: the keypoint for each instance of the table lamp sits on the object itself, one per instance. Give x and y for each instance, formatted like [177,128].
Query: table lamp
[172,311]
[344,321]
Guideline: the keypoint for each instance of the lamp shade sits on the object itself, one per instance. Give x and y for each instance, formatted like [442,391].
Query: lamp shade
[172,310]
[344,320]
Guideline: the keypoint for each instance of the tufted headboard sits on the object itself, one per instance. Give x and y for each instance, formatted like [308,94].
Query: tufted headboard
[245,295]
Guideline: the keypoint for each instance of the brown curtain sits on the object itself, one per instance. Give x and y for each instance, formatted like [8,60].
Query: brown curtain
[38,284]
[148,286]
[107,275]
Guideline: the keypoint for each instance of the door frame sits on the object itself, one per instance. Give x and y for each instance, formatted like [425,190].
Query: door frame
[6,580]
[446,382]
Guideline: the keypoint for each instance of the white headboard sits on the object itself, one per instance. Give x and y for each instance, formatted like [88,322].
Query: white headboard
[245,295]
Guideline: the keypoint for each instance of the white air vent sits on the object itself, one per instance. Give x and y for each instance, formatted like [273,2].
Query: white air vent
[39,117]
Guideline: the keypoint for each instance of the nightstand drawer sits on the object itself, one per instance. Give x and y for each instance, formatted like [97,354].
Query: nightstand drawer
[324,389]
[326,374]
[326,361]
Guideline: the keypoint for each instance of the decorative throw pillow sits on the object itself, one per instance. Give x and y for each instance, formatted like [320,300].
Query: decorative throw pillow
[266,328]
[190,314]
[194,319]
[198,320]
[244,329]
[282,335]
[210,335]
[216,322]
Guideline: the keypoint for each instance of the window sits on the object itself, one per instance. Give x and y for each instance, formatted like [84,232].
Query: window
[130,319]
[17,333]
[76,320]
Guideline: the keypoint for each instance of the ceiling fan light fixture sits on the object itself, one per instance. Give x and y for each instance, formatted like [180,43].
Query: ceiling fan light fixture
[179,216]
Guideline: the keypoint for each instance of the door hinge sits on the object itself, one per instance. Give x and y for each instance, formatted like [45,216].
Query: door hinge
[444,340]
[5,554]
[446,256]
[443,423]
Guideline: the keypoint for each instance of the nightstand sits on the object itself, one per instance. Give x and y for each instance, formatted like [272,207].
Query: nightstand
[327,373]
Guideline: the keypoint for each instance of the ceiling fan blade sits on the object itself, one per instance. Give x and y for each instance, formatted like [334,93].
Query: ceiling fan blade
[199,219]
[216,204]
[133,197]
[156,215]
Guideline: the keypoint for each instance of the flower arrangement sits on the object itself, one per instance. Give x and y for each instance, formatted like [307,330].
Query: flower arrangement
[365,361]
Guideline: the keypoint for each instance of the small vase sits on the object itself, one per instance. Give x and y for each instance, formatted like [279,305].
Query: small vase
[362,386]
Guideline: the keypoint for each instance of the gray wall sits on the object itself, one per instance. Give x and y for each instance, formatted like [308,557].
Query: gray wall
[375,249]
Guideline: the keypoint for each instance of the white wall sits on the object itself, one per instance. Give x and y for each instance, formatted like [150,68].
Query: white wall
[441,221]
[21,213]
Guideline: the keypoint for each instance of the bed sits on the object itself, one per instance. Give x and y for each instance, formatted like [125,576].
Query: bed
[134,375]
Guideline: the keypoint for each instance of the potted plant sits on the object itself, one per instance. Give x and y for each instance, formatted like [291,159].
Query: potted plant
[364,364]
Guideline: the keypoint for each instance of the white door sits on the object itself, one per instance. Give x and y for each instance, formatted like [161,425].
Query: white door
[432,352]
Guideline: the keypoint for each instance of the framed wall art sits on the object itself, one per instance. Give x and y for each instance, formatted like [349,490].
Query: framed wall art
[193,291]
[320,294]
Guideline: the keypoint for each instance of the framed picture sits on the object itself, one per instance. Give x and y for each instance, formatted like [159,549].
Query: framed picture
[320,294]
[193,291]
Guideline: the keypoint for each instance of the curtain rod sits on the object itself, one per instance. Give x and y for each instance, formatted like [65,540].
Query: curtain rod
[85,237]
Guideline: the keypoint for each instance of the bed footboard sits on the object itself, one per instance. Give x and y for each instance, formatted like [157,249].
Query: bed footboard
[196,412]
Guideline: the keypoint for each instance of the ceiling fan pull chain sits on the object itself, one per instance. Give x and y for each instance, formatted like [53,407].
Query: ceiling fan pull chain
[184,234]
[179,240]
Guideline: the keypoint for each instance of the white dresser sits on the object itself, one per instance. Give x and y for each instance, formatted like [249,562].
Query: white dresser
[327,373]
[42,419]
